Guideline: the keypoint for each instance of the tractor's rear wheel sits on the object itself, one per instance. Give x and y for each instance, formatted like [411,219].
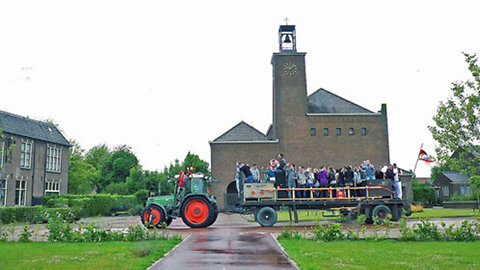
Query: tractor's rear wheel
[152,216]
[213,218]
[197,212]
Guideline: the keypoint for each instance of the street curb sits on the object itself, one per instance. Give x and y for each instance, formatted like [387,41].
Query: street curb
[166,254]
[292,262]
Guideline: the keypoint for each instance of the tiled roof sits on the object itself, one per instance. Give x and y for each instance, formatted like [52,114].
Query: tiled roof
[242,132]
[457,177]
[23,126]
[323,101]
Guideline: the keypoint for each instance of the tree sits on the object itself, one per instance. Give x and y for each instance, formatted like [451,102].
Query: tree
[475,185]
[97,155]
[457,124]
[437,171]
[117,166]
[81,175]
[192,160]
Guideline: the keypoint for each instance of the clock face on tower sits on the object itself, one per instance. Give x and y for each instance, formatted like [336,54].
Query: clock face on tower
[290,68]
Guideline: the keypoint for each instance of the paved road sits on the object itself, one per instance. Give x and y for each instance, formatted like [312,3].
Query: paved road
[232,243]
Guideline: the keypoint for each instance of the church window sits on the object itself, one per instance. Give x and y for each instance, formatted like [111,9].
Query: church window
[364,131]
[325,132]
[313,132]
[350,131]
[338,131]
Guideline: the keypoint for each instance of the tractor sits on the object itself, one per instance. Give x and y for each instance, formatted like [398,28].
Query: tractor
[191,201]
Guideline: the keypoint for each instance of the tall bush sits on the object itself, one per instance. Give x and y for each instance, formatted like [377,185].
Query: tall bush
[423,193]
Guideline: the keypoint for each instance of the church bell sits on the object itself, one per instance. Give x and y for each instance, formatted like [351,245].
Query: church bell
[287,38]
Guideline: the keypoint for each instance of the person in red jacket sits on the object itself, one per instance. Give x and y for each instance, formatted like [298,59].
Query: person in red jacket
[182,181]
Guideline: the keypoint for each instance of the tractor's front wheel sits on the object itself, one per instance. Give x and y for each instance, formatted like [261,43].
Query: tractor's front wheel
[152,216]
[197,212]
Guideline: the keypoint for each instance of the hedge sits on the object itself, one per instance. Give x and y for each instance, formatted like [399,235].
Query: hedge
[93,204]
[33,214]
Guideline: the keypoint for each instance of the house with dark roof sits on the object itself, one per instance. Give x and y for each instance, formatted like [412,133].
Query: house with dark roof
[449,183]
[310,130]
[34,158]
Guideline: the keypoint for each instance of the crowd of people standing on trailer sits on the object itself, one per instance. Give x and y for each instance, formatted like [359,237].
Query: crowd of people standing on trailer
[320,177]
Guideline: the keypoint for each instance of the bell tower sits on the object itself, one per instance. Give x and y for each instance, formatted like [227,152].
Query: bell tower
[289,86]
[287,38]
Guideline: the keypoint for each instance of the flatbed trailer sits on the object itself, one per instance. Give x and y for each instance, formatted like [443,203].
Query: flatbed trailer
[263,200]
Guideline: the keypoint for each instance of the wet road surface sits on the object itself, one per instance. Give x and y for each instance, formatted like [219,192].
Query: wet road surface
[231,243]
[230,249]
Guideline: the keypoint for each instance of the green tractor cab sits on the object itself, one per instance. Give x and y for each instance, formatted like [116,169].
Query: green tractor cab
[192,202]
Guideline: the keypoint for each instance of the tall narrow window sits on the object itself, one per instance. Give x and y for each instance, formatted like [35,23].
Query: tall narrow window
[2,151]
[25,155]
[325,132]
[350,131]
[446,191]
[313,132]
[338,131]
[54,159]
[52,187]
[3,192]
[364,131]
[20,192]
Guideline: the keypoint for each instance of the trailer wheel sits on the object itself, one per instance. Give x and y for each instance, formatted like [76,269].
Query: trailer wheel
[152,216]
[266,216]
[197,212]
[381,212]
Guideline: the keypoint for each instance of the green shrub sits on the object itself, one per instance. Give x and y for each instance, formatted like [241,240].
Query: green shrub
[471,197]
[93,204]
[328,233]
[142,196]
[289,232]
[117,188]
[426,230]
[33,214]
[25,235]
[467,231]
[423,193]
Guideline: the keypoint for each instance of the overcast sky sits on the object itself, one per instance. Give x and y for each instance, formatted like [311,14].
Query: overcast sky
[166,77]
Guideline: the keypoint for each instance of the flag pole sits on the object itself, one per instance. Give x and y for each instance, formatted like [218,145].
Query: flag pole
[415,167]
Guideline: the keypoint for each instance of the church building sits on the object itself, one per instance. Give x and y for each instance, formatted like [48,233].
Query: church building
[310,130]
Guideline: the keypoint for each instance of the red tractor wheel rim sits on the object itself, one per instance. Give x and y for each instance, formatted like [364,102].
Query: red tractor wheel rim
[196,211]
[156,216]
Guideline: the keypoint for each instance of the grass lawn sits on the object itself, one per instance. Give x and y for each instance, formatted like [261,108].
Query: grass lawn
[383,254]
[103,255]
[307,215]
[436,213]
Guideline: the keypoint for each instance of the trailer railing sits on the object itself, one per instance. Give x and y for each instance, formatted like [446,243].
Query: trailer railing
[341,193]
